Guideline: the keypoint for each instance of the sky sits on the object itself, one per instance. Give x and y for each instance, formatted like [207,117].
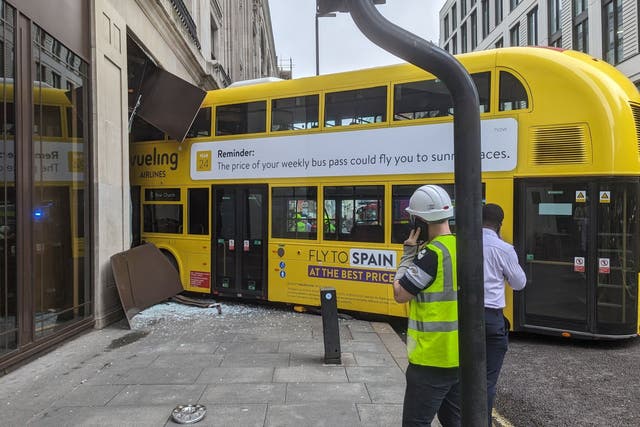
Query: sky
[342,46]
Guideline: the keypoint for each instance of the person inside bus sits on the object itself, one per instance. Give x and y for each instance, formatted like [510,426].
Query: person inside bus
[426,279]
[500,263]
[301,224]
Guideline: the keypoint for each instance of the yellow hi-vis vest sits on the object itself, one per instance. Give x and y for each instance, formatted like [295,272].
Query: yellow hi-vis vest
[432,332]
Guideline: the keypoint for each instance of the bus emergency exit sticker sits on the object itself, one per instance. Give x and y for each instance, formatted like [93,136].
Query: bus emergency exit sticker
[581,196]
[578,264]
[605,196]
[604,266]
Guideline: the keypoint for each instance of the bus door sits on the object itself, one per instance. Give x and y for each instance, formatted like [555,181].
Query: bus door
[239,255]
[579,241]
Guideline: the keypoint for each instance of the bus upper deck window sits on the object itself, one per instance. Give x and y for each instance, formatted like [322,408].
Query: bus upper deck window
[513,95]
[243,118]
[431,98]
[201,124]
[483,85]
[143,131]
[296,113]
[356,107]
[421,100]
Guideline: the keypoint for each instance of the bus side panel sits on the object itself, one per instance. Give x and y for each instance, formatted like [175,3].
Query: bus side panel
[297,272]
[192,260]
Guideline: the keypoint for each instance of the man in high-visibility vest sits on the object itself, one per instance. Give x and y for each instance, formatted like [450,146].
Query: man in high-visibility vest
[301,224]
[426,279]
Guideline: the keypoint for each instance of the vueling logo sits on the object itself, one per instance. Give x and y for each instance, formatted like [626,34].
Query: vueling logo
[156,159]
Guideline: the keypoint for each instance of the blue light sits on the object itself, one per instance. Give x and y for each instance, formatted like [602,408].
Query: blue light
[38,213]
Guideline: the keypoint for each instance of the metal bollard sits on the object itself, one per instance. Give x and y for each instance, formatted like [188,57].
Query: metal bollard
[329,309]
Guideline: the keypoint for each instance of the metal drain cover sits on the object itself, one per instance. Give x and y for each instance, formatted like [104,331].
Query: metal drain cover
[188,414]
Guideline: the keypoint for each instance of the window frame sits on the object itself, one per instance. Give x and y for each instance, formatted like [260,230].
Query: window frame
[532,27]
[554,8]
[360,226]
[615,55]
[514,35]
[284,221]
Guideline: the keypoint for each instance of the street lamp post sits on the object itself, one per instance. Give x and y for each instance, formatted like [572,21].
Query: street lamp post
[320,15]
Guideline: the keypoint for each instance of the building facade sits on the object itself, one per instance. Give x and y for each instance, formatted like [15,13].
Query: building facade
[68,72]
[606,29]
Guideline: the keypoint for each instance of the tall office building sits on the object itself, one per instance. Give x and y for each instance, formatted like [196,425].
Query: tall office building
[606,29]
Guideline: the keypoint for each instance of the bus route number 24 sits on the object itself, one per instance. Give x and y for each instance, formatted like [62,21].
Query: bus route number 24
[203,161]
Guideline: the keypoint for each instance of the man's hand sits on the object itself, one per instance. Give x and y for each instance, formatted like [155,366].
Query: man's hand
[412,240]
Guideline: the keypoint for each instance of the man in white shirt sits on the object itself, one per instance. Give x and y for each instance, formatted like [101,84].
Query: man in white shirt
[500,263]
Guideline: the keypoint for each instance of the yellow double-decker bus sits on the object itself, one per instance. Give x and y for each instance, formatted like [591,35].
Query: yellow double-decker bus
[282,188]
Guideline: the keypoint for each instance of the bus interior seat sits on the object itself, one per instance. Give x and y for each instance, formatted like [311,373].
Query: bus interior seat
[367,233]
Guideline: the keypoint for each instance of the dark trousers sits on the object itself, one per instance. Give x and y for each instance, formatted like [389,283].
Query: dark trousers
[497,340]
[429,391]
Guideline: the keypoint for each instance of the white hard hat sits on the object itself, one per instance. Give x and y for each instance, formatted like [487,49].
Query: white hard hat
[431,203]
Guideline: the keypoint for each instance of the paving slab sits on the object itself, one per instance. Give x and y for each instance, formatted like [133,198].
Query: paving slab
[313,414]
[250,366]
[327,393]
[244,393]
[172,395]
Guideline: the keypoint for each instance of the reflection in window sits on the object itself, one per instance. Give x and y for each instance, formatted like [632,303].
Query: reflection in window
[513,95]
[201,124]
[61,232]
[46,118]
[294,212]
[354,213]
[297,113]
[7,117]
[356,107]
[165,218]
[8,221]
[431,98]
[238,119]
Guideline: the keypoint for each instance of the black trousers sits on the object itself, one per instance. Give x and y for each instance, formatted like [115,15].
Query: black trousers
[429,391]
[497,342]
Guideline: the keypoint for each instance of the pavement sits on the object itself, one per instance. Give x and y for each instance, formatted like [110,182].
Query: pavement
[249,366]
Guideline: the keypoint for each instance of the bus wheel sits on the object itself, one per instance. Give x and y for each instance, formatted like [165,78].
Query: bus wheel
[171,259]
